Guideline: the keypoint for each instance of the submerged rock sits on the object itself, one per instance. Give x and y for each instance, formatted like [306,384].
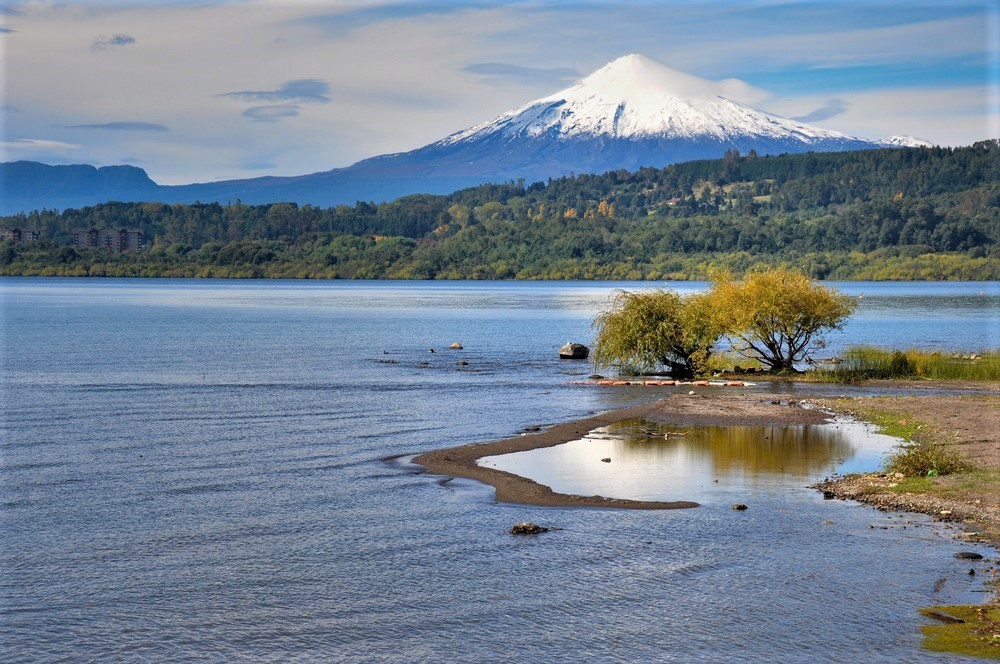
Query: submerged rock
[527,528]
[739,507]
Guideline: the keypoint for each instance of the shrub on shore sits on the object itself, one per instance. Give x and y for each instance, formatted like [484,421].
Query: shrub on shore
[922,460]
[773,317]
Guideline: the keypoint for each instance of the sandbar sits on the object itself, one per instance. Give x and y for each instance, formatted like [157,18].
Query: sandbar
[679,409]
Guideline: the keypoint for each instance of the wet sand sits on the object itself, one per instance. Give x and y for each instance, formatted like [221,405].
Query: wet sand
[681,409]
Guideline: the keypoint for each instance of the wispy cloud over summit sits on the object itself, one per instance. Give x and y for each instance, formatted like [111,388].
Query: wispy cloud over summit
[832,108]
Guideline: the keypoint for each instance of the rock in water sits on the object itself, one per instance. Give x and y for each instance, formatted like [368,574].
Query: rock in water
[739,507]
[968,555]
[573,351]
[456,346]
[527,528]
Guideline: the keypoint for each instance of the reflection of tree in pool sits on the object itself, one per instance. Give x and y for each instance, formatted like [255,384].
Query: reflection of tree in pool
[794,450]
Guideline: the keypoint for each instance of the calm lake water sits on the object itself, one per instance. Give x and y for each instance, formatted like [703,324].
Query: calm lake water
[217,470]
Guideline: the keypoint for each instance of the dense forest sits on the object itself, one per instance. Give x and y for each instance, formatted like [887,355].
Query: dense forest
[917,213]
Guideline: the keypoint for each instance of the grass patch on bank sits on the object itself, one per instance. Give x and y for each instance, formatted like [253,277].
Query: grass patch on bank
[977,635]
[913,485]
[974,480]
[924,460]
[919,455]
[861,363]
[890,423]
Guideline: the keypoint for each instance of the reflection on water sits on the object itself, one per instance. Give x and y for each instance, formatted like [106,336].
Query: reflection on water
[650,461]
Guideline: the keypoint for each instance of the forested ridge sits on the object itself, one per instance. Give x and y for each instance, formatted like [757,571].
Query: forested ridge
[916,213]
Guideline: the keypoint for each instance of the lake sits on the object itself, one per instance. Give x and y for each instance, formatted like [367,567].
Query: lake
[219,470]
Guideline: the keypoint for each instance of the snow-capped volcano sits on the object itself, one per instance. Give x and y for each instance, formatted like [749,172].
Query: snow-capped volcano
[631,113]
[635,97]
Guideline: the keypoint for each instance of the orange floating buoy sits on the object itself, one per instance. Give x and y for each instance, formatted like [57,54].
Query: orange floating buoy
[700,383]
[605,382]
[619,382]
[734,383]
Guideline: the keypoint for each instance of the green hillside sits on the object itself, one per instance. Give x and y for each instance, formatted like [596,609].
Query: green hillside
[913,214]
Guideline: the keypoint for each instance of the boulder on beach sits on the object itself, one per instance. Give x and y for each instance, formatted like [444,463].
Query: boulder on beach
[573,351]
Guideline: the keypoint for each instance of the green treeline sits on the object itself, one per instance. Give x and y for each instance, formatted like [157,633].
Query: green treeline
[912,214]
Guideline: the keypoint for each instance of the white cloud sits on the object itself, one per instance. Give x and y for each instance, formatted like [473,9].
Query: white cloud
[950,117]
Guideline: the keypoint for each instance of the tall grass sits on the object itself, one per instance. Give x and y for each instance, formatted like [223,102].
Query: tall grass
[870,363]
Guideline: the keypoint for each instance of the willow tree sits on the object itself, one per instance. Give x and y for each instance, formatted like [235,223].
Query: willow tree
[645,331]
[778,316]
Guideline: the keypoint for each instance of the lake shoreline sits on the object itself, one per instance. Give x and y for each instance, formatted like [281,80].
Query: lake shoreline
[963,423]
[959,420]
[680,409]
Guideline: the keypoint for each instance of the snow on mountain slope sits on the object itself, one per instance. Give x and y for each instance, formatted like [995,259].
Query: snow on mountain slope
[905,142]
[635,97]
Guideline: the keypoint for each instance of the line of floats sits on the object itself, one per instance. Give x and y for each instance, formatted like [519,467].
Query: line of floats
[666,383]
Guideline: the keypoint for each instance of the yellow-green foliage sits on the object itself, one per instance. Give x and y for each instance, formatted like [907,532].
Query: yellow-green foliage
[774,317]
[642,331]
[778,315]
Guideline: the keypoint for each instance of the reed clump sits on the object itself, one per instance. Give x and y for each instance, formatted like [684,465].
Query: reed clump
[861,363]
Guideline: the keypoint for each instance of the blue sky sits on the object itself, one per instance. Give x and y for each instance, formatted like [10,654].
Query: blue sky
[208,90]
